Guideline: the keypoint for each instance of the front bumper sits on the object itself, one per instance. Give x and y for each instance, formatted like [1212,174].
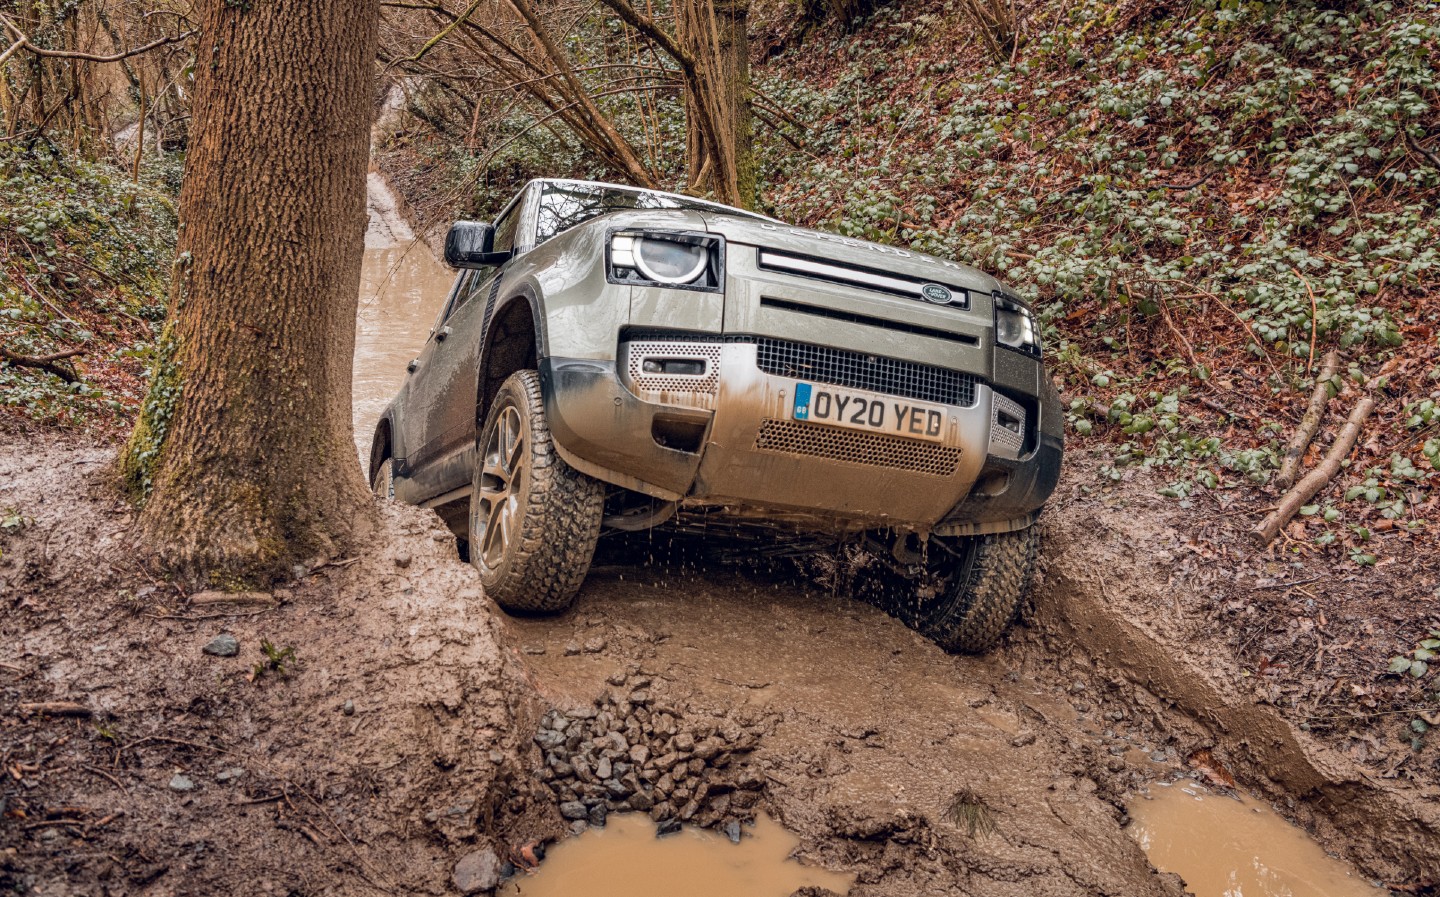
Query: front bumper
[726,441]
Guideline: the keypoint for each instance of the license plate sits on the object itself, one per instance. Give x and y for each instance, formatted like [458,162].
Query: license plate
[868,411]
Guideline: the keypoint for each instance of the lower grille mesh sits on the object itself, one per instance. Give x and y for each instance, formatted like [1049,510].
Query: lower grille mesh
[857,370]
[788,437]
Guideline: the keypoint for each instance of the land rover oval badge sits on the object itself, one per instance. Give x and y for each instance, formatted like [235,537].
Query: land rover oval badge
[934,292]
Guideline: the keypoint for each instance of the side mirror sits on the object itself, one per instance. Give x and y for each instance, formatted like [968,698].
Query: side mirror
[471,244]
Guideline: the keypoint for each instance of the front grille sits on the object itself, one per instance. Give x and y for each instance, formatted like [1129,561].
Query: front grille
[787,437]
[857,370]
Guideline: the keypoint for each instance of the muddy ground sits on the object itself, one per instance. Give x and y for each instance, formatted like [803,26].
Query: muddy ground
[398,738]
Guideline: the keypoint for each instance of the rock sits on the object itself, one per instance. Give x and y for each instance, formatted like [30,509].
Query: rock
[684,742]
[667,827]
[616,789]
[226,775]
[603,769]
[732,830]
[639,754]
[616,678]
[222,645]
[662,811]
[639,696]
[665,785]
[594,645]
[667,761]
[571,649]
[597,815]
[696,766]
[689,810]
[578,827]
[348,708]
[402,560]
[573,809]
[707,749]
[534,650]
[549,739]
[1157,757]
[641,801]
[1024,740]
[477,871]
[181,783]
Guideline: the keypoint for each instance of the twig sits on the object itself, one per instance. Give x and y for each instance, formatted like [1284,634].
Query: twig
[55,708]
[1315,480]
[103,774]
[1314,319]
[1295,451]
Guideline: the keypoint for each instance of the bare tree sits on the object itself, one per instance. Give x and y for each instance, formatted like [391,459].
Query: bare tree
[569,68]
[244,444]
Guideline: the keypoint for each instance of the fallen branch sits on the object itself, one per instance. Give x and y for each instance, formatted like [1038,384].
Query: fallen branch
[45,362]
[1315,480]
[55,708]
[1295,451]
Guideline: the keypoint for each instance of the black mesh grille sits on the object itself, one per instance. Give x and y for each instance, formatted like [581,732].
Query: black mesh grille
[860,371]
[840,367]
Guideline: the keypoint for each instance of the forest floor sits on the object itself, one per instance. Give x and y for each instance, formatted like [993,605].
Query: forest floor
[375,725]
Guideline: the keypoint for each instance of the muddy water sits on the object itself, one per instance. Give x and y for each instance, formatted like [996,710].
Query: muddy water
[625,859]
[401,289]
[1225,847]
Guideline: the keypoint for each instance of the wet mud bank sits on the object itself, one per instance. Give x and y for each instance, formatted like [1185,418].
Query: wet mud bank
[1137,597]
[357,731]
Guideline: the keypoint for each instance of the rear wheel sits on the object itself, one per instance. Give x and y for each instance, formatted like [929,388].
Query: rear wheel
[383,483]
[966,593]
[534,520]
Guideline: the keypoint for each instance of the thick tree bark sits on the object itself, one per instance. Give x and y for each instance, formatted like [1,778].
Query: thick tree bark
[716,36]
[245,442]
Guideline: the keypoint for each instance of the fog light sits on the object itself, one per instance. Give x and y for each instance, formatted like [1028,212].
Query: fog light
[687,367]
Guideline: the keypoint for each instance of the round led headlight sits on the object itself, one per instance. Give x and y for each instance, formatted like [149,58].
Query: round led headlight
[1010,326]
[666,261]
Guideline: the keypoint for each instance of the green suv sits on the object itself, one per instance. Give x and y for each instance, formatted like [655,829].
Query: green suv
[616,359]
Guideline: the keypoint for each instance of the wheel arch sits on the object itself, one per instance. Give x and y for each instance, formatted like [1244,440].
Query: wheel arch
[514,340]
[382,445]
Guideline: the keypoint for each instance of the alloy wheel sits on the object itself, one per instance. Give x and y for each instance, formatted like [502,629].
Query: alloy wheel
[497,508]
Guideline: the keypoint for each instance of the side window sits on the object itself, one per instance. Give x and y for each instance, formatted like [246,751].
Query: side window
[476,280]
[507,227]
[452,302]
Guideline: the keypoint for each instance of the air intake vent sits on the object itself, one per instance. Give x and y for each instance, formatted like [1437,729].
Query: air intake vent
[787,437]
[860,371]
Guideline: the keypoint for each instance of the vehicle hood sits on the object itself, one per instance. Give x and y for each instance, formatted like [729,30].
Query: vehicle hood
[847,250]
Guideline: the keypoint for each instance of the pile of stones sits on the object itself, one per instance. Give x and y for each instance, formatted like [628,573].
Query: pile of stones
[630,751]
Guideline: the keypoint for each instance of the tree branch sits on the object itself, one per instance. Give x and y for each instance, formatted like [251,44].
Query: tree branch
[44,362]
[23,42]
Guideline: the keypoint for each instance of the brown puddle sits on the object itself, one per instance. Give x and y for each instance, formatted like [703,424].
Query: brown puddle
[402,286]
[625,859]
[1224,847]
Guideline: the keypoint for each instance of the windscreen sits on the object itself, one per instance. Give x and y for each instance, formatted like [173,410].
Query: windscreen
[563,205]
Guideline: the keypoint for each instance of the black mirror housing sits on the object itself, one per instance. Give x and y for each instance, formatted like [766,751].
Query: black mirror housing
[471,244]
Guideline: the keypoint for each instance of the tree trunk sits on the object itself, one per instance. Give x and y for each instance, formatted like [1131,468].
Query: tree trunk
[715,34]
[245,443]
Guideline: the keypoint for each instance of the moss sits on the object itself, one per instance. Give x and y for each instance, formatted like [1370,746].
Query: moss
[141,457]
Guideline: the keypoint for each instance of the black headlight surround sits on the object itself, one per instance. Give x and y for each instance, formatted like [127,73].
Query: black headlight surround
[1006,302]
[711,280]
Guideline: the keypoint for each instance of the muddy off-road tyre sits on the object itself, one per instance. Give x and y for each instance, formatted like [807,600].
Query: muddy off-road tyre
[383,483]
[969,594]
[534,520]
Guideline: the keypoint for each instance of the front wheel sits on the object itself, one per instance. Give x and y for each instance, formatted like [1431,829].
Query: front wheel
[967,592]
[534,520]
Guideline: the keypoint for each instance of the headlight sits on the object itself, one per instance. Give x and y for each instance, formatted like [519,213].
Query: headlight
[687,261]
[1015,326]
